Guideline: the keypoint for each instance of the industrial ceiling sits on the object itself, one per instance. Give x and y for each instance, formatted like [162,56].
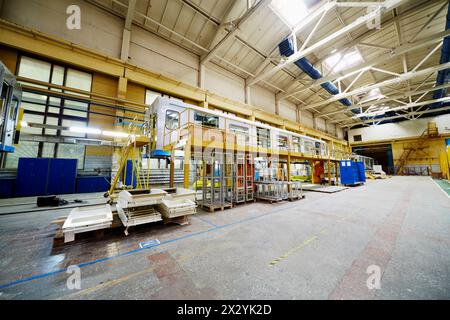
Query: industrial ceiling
[386,70]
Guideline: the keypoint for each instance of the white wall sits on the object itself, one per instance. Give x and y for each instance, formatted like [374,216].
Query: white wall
[224,83]
[402,129]
[262,98]
[331,128]
[288,110]
[102,31]
[320,124]
[161,56]
[339,133]
[307,119]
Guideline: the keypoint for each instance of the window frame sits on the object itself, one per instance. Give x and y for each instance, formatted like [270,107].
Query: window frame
[47,104]
[178,119]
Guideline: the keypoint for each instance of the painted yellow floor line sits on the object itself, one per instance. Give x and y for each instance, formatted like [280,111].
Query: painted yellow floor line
[295,249]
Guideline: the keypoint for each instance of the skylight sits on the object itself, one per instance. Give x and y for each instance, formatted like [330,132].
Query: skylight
[372,95]
[292,11]
[349,60]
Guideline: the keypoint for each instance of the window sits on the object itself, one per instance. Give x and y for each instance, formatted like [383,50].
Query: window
[240,131]
[357,137]
[44,109]
[206,120]
[290,11]
[263,137]
[296,144]
[309,147]
[282,142]
[172,119]
[317,147]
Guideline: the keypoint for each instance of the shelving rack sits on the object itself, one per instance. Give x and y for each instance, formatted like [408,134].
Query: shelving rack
[249,178]
[240,195]
[215,176]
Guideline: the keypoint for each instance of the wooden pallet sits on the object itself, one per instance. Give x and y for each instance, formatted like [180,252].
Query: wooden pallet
[298,197]
[271,200]
[182,221]
[219,206]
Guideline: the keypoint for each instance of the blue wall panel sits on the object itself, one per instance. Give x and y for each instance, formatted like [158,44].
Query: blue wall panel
[128,176]
[62,174]
[32,177]
[7,187]
[92,184]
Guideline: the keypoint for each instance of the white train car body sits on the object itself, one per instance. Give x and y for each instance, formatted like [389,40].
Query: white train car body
[171,115]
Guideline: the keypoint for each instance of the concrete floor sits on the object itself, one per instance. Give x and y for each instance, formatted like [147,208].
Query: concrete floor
[317,248]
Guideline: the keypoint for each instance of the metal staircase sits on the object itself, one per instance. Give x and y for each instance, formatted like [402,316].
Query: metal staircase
[431,131]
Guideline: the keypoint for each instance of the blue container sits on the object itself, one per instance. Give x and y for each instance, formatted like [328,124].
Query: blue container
[352,172]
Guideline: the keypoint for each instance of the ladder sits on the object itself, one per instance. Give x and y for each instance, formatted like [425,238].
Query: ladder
[407,152]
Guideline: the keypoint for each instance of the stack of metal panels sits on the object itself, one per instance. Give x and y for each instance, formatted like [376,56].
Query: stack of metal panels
[177,203]
[85,219]
[136,207]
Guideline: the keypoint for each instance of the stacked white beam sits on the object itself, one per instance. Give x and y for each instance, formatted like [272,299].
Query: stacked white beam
[178,204]
[136,207]
[86,219]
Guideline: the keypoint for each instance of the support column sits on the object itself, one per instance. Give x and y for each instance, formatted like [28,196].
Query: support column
[247,93]
[337,172]
[125,52]
[118,152]
[187,162]
[277,106]
[289,171]
[172,168]
[201,76]
[329,171]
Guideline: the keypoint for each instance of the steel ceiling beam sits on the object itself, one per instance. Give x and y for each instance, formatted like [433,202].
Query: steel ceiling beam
[387,5]
[245,17]
[361,38]
[396,52]
[387,99]
[412,113]
[403,77]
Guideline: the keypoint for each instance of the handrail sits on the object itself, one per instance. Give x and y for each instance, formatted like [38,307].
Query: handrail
[173,136]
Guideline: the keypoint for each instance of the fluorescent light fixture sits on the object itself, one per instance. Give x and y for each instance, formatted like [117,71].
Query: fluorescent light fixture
[115,134]
[291,11]
[85,130]
[349,60]
[377,111]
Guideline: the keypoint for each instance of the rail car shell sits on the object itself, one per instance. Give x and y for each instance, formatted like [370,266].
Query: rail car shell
[171,115]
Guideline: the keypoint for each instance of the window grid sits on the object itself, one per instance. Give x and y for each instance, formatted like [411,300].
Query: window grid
[49,115]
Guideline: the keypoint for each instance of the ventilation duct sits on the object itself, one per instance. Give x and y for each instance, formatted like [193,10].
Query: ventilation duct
[443,75]
[286,48]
